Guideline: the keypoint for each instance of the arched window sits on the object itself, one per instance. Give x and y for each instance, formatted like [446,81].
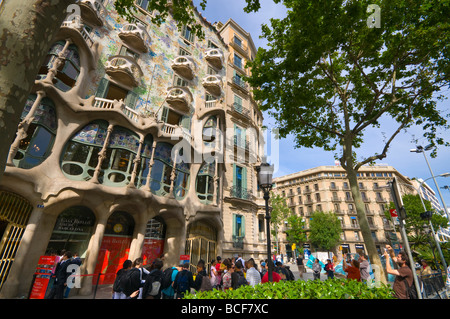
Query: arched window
[115,246]
[69,69]
[205,182]
[80,156]
[155,234]
[122,150]
[72,231]
[162,169]
[36,146]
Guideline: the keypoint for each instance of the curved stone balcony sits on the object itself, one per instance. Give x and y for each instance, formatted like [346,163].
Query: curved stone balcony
[180,98]
[215,57]
[92,11]
[213,83]
[124,69]
[76,25]
[184,66]
[135,35]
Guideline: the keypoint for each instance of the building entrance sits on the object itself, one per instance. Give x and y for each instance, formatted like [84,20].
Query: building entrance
[201,244]
[14,214]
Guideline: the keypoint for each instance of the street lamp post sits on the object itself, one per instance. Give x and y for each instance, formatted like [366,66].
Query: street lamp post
[420,149]
[265,172]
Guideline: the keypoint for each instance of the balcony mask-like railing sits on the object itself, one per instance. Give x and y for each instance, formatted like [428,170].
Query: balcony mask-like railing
[215,57]
[180,98]
[92,11]
[124,69]
[75,24]
[213,83]
[135,35]
[184,66]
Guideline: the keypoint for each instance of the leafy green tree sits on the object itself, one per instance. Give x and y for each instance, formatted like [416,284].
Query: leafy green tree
[279,213]
[325,230]
[420,241]
[328,77]
[295,232]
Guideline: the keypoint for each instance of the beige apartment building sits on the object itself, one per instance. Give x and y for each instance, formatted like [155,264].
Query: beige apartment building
[326,188]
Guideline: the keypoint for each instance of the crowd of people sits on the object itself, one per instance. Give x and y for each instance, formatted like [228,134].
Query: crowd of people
[134,281]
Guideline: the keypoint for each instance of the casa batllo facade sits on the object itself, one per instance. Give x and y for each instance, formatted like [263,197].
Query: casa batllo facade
[126,145]
[326,188]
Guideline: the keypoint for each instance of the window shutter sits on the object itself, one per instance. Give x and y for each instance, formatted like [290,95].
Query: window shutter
[164,114]
[186,122]
[131,100]
[102,89]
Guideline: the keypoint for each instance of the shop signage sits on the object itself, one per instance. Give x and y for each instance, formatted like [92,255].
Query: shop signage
[43,274]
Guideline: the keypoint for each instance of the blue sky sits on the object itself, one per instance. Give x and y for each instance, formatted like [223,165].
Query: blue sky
[292,160]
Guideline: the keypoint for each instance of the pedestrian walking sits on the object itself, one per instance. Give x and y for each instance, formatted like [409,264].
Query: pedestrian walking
[134,280]
[329,268]
[61,275]
[153,281]
[76,260]
[352,269]
[403,275]
[169,275]
[226,279]
[364,267]
[237,277]
[183,282]
[275,276]
[316,269]
[281,271]
[253,275]
[202,281]
[117,289]
[300,265]
[425,270]
[214,274]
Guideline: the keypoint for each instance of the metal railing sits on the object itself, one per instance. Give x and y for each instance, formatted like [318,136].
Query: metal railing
[433,286]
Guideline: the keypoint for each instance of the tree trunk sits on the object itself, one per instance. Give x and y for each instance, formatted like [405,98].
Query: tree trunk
[364,224]
[361,210]
[27,30]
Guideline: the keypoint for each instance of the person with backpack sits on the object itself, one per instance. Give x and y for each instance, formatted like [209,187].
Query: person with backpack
[169,276]
[202,281]
[152,286]
[183,282]
[404,281]
[237,277]
[133,280]
[117,289]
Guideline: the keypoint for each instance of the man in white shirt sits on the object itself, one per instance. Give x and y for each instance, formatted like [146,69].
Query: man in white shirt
[253,276]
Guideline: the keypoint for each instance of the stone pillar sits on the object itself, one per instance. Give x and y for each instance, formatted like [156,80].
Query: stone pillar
[91,258]
[33,245]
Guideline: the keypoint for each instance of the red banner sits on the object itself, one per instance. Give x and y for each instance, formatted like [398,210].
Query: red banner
[152,249]
[113,252]
[43,274]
